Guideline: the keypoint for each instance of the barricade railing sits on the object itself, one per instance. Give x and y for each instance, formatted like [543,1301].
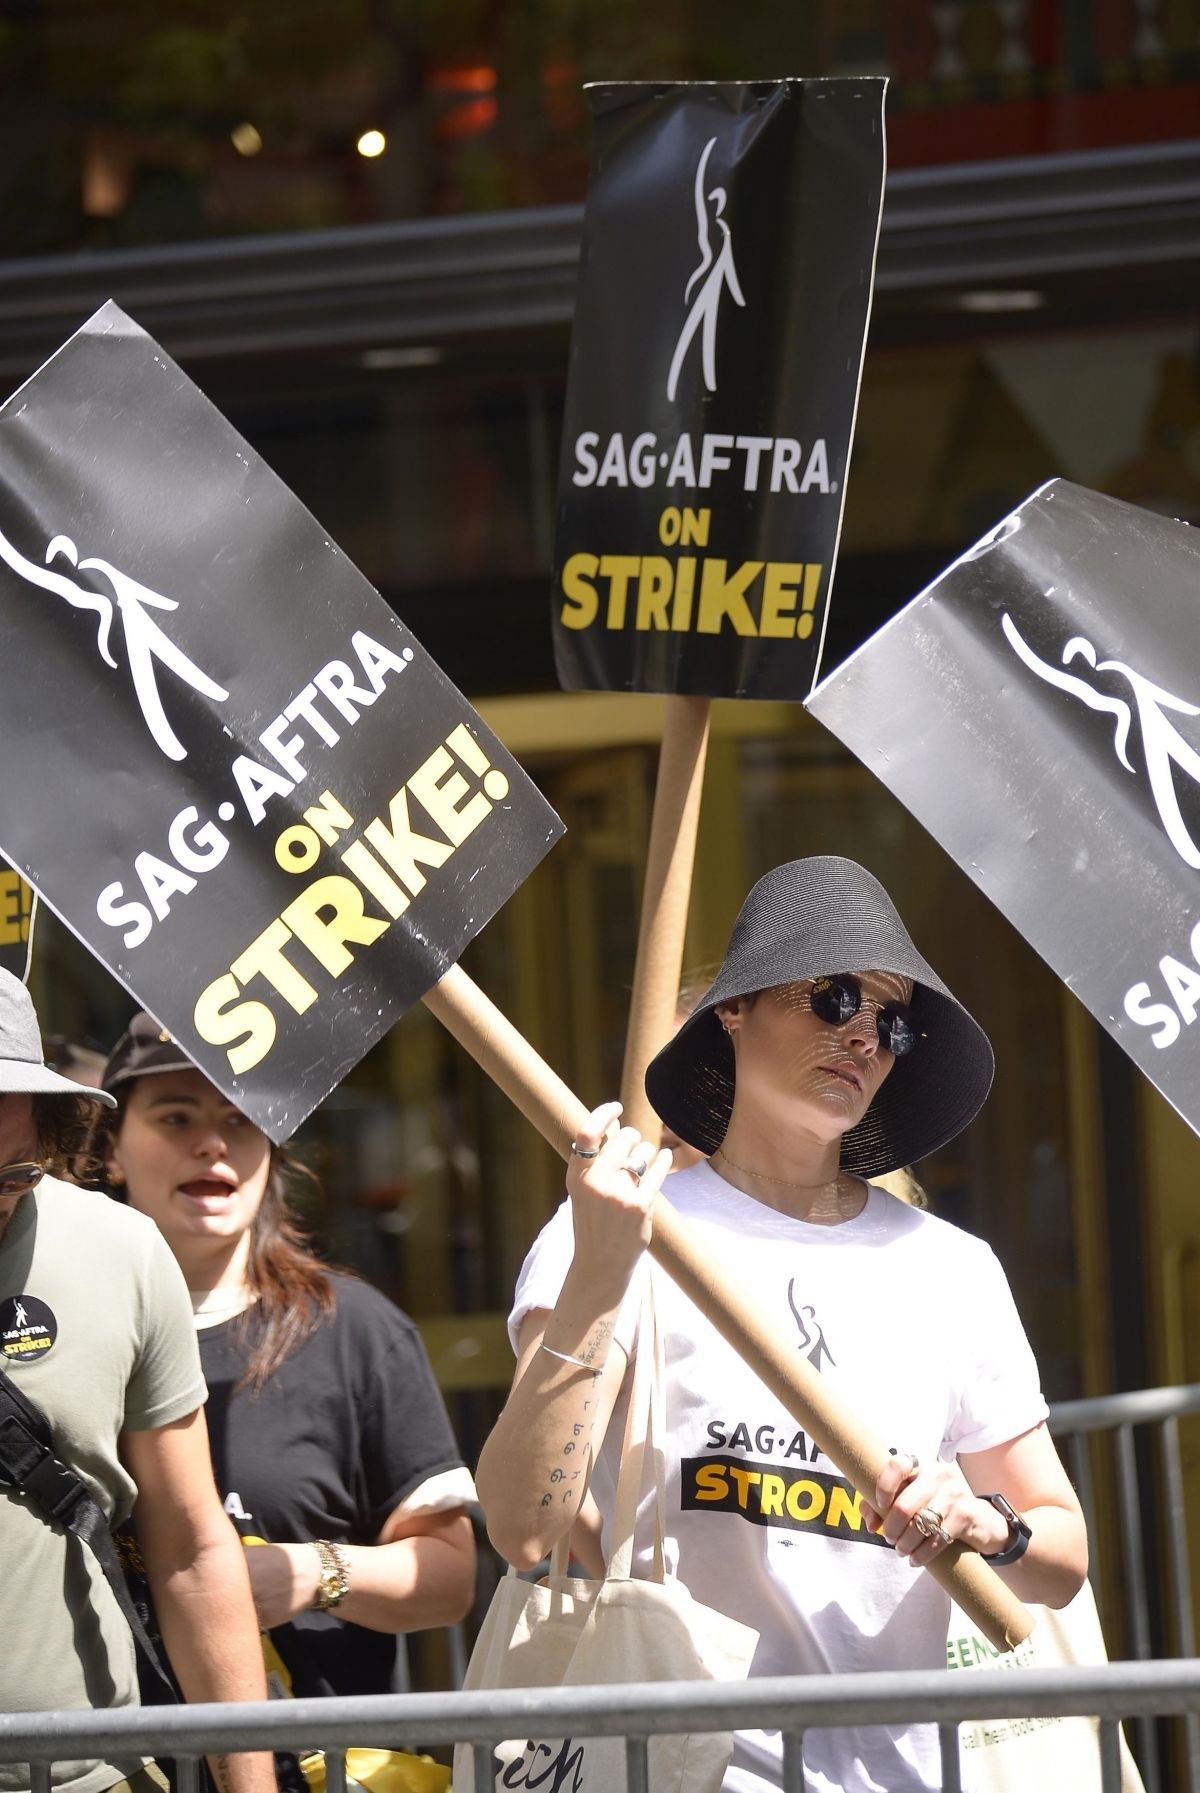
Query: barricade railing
[793,1705]
[1144,1689]
[1113,1420]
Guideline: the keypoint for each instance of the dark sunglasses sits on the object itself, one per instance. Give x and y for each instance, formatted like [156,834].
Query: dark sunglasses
[838,999]
[15,1179]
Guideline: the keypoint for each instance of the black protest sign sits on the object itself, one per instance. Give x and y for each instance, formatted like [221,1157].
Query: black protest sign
[725,285]
[18,905]
[244,784]
[1038,710]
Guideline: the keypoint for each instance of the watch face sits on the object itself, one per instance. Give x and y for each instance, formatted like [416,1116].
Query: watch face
[1019,1532]
[1007,1511]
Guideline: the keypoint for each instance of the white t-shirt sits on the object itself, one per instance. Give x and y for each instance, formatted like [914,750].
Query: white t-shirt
[913,1321]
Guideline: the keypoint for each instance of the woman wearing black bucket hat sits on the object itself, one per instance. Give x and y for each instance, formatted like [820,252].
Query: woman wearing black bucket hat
[826,1051]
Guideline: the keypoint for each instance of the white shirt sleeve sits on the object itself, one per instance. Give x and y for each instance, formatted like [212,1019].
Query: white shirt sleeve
[441,1493]
[545,1270]
[1000,1395]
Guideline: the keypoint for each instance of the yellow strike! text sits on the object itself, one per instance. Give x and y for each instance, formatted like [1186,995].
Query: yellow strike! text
[774,600]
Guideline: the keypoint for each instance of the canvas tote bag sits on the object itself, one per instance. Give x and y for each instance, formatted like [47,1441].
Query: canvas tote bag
[1023,1755]
[567,1632]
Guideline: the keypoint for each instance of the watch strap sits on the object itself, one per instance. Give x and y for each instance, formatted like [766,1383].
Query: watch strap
[1019,1533]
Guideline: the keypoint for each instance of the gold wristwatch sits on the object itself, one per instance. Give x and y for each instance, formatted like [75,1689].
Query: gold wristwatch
[334,1584]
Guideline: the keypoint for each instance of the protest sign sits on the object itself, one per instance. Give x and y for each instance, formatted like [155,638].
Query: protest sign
[725,285]
[18,905]
[245,786]
[1038,710]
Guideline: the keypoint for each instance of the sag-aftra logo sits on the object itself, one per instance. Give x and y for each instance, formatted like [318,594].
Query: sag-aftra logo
[699,592]
[1166,755]
[147,647]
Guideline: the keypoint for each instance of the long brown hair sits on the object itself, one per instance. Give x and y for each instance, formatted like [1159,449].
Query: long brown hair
[294,1289]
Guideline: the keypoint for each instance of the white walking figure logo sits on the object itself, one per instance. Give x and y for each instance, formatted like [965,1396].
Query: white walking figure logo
[1163,746]
[21,1317]
[717,274]
[144,640]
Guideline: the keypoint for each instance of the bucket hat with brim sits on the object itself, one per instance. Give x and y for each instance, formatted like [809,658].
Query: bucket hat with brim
[23,1069]
[813,918]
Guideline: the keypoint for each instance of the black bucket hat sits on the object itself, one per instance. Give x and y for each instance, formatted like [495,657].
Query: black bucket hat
[143,1049]
[812,918]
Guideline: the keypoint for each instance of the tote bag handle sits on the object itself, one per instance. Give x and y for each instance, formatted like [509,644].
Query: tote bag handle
[645,1430]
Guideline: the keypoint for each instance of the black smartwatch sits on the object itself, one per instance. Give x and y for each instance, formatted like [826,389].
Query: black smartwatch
[1019,1533]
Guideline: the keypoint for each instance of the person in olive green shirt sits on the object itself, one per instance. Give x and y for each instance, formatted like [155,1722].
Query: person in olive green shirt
[96,1329]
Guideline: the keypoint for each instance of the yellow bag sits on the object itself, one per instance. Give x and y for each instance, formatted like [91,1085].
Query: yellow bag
[380,1771]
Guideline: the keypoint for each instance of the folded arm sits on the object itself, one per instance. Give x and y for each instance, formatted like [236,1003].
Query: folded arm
[421,1572]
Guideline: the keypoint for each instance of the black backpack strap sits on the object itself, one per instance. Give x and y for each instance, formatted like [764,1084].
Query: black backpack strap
[29,1464]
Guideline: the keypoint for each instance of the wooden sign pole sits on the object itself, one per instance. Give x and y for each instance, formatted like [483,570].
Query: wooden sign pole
[557,1113]
[665,897]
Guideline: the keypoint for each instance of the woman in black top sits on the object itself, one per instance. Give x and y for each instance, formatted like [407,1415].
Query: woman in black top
[330,1439]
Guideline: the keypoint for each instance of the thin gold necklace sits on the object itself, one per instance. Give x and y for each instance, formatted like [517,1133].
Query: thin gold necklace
[784,1182]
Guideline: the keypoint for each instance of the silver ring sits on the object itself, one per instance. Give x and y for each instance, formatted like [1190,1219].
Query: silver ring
[929,1523]
[637,1168]
[582,1152]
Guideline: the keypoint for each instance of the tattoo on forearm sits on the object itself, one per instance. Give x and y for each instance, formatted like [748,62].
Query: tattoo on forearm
[591,1352]
[598,1343]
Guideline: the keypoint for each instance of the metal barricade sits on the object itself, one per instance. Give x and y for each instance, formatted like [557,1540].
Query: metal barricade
[791,1705]
[1112,1421]
[1146,1689]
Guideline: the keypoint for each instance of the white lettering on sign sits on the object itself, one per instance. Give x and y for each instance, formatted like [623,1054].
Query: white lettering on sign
[454,790]
[330,703]
[751,462]
[1182,981]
